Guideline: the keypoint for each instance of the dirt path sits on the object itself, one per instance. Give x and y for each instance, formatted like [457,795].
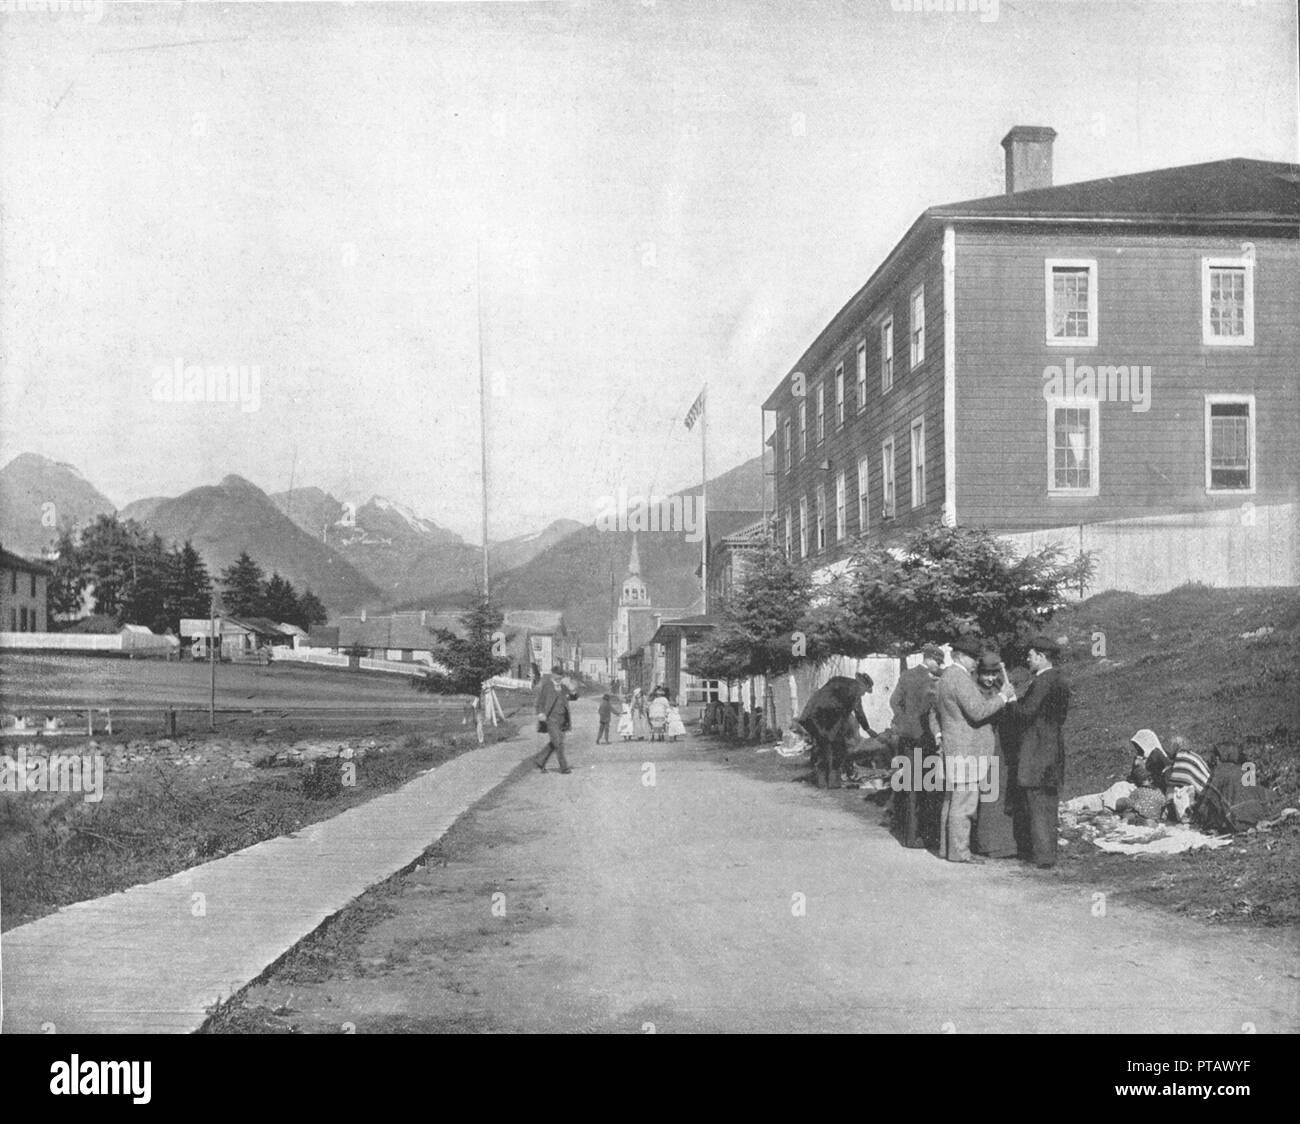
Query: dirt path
[710,900]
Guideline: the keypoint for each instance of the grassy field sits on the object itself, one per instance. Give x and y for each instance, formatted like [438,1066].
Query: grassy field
[172,803]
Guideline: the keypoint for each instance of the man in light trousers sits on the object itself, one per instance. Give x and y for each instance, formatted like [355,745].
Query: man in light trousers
[966,747]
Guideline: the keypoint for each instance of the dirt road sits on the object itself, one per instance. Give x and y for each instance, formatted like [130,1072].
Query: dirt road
[659,889]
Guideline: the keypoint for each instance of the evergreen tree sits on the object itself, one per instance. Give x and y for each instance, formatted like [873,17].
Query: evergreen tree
[143,595]
[311,610]
[280,602]
[470,660]
[243,587]
[189,588]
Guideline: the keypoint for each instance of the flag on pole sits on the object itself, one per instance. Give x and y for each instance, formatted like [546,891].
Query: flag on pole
[697,408]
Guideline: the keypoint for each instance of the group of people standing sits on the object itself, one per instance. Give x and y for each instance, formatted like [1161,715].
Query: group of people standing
[640,716]
[1002,748]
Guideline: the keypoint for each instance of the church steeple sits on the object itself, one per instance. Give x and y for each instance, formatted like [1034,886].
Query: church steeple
[634,587]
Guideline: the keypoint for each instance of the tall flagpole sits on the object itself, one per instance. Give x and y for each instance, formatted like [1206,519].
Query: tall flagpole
[482,408]
[704,495]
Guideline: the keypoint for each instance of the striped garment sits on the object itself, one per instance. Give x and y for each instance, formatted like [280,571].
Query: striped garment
[1188,769]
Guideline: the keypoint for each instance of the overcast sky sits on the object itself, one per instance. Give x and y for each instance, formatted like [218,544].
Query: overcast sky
[663,193]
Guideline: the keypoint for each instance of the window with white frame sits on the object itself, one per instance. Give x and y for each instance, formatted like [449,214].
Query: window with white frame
[803,430]
[789,451]
[821,412]
[886,354]
[1073,447]
[803,526]
[821,517]
[789,542]
[862,375]
[864,495]
[1229,443]
[918,462]
[1228,301]
[917,327]
[839,396]
[841,508]
[1071,299]
[887,476]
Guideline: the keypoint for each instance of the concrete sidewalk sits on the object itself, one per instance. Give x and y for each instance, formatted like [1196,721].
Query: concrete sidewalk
[154,958]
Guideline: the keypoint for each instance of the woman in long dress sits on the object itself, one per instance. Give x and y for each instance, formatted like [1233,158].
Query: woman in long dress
[625,727]
[995,834]
[639,721]
[676,728]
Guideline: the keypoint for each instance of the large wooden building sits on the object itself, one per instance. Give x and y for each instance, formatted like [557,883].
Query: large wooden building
[1110,364]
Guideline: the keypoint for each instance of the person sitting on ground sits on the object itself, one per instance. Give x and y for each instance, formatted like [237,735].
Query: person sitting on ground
[1146,802]
[1186,780]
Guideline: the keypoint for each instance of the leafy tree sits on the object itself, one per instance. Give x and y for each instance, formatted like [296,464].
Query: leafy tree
[941,582]
[107,550]
[311,610]
[764,624]
[67,583]
[470,660]
[243,587]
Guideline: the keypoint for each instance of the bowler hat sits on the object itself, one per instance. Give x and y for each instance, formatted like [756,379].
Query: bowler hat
[1045,644]
[932,652]
[968,645]
[989,661]
[866,679]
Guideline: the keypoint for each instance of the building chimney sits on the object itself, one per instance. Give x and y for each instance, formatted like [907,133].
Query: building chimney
[423,614]
[363,614]
[1029,157]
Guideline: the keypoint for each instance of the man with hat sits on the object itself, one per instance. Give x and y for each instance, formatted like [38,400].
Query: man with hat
[829,721]
[966,741]
[911,703]
[1040,772]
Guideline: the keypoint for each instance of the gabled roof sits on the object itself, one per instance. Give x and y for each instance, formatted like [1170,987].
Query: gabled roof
[541,621]
[398,630]
[11,561]
[1224,189]
[263,626]
[1232,194]
[718,525]
[686,626]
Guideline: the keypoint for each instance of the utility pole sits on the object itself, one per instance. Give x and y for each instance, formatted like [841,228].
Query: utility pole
[482,404]
[212,661]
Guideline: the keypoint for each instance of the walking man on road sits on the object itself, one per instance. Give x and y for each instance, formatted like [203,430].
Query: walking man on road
[966,746]
[1040,773]
[553,717]
[605,711]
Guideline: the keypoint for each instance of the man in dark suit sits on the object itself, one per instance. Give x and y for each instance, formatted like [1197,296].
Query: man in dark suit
[914,813]
[828,720]
[1040,714]
[553,710]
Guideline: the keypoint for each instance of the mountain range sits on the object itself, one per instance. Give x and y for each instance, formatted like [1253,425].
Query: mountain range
[377,555]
